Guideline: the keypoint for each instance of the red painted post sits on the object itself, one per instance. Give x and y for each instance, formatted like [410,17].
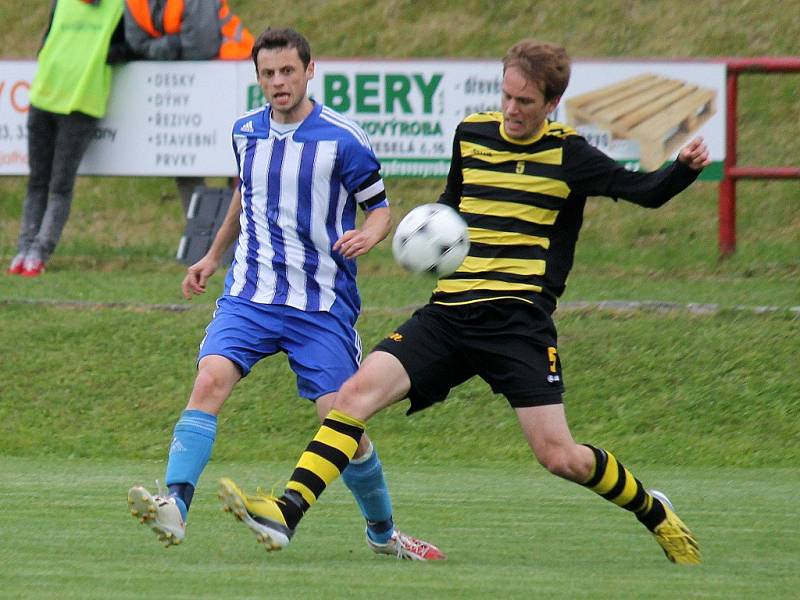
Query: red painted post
[727,187]
[731,172]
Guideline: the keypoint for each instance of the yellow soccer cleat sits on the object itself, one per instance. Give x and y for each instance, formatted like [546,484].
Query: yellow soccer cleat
[260,512]
[674,537]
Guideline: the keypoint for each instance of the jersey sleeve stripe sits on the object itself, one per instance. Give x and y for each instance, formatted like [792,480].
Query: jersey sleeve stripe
[371,193]
[365,194]
[339,121]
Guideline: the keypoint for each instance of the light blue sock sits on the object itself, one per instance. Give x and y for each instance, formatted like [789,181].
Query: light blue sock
[364,478]
[189,452]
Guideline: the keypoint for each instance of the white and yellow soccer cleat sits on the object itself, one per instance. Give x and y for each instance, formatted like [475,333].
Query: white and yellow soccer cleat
[260,512]
[674,537]
[160,513]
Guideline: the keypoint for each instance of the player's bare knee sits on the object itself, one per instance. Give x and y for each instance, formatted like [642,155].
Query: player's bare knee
[209,391]
[205,383]
[554,463]
[559,461]
[348,396]
[353,399]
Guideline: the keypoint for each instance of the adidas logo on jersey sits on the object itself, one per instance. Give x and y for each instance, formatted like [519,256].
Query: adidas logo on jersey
[247,127]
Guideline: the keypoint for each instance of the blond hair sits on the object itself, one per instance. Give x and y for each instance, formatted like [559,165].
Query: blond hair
[543,63]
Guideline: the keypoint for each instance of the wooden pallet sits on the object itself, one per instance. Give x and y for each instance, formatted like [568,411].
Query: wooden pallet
[658,112]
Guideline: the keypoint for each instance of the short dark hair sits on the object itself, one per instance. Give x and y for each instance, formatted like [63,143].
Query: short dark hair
[544,63]
[282,38]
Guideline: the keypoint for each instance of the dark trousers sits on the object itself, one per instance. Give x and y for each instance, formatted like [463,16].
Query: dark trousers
[56,145]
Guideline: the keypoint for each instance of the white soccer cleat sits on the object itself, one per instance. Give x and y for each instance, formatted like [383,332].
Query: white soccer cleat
[160,513]
[406,547]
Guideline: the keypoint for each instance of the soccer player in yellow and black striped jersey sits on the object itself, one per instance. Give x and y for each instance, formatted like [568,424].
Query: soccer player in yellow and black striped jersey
[520,182]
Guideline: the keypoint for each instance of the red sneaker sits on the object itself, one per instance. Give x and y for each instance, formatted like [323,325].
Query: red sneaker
[405,546]
[15,268]
[32,268]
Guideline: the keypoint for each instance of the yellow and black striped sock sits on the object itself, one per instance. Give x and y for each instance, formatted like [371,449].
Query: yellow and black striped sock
[616,484]
[324,459]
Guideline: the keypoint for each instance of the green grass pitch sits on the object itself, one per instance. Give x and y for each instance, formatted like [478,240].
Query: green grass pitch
[511,531]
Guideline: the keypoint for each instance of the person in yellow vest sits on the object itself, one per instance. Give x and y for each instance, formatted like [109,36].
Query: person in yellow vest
[186,30]
[68,96]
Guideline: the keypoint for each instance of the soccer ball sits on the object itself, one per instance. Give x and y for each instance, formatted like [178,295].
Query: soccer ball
[432,238]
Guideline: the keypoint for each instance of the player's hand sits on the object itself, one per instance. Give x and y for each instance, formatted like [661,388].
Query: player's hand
[354,243]
[197,276]
[695,154]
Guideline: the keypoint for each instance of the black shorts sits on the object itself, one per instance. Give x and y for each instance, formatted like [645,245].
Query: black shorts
[510,344]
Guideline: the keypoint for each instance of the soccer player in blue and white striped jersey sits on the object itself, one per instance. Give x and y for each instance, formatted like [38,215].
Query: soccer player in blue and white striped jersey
[304,170]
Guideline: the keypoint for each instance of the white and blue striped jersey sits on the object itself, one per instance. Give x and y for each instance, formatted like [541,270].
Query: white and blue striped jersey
[299,191]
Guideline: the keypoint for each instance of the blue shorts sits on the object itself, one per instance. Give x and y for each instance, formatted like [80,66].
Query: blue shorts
[323,350]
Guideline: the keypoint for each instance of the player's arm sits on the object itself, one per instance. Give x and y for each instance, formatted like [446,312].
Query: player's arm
[197,275]
[592,173]
[359,241]
[371,197]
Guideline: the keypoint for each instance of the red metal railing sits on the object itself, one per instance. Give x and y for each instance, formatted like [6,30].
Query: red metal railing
[731,171]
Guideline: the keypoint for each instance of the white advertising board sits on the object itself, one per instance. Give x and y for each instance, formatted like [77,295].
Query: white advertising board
[174,118]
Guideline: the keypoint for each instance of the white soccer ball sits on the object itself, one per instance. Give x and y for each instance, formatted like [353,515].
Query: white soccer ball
[432,238]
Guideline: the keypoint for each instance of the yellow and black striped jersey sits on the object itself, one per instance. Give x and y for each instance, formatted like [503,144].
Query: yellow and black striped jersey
[523,202]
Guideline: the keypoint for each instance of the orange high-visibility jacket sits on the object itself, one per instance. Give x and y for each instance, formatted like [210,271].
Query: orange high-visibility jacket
[237,41]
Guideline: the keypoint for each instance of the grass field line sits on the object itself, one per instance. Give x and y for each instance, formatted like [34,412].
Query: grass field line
[625,306]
